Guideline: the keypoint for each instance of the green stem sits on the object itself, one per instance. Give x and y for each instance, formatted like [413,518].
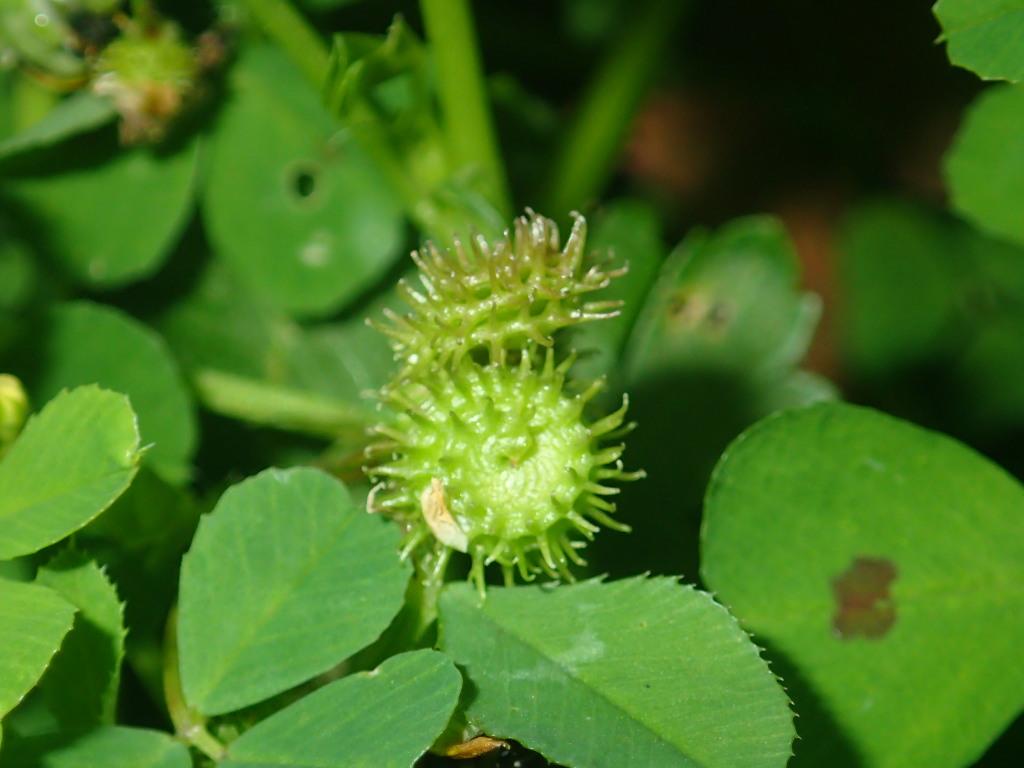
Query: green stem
[468,125]
[414,625]
[594,140]
[280,21]
[188,724]
[427,584]
[272,405]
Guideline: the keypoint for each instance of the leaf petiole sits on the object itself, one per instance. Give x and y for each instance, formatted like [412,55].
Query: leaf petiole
[188,724]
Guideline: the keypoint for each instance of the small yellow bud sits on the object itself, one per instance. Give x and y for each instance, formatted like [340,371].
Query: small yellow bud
[14,408]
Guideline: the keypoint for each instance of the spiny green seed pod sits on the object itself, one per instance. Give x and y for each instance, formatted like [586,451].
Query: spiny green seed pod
[489,451]
[499,461]
[148,72]
[497,298]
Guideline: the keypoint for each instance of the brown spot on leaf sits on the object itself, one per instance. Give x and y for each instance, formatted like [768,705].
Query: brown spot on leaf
[864,607]
[690,311]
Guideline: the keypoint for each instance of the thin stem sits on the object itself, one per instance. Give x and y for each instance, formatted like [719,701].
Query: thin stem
[280,21]
[414,627]
[594,140]
[188,724]
[276,406]
[467,121]
[415,623]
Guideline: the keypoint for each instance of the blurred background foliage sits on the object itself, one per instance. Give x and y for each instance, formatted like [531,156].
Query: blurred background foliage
[813,201]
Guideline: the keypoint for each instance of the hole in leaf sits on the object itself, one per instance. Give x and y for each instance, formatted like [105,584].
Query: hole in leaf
[303,181]
[305,184]
[864,607]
